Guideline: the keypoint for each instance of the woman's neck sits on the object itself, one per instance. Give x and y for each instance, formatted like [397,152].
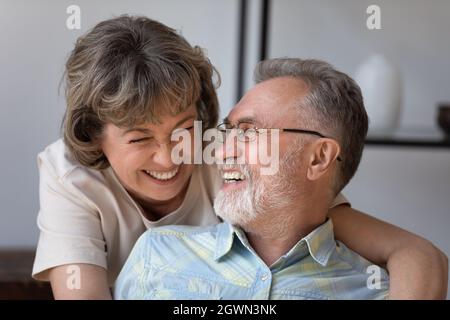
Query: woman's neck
[154,210]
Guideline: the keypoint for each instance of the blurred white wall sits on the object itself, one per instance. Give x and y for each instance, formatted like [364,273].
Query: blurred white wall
[35,43]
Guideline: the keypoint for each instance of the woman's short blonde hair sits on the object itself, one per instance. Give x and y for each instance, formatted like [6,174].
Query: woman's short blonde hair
[130,70]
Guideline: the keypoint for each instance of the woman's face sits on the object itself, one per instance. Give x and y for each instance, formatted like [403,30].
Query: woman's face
[141,157]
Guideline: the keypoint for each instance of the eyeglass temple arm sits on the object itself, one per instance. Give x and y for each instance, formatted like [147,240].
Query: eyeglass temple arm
[310,132]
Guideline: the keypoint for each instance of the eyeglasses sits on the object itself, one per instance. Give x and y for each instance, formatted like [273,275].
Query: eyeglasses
[247,132]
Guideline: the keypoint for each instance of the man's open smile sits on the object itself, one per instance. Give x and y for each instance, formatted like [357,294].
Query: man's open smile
[233,178]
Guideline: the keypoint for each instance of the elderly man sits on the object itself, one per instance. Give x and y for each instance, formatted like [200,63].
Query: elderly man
[276,241]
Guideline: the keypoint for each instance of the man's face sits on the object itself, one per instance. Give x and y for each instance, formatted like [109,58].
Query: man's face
[246,194]
[141,157]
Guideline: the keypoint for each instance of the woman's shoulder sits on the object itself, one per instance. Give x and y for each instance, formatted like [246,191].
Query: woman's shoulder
[62,176]
[57,159]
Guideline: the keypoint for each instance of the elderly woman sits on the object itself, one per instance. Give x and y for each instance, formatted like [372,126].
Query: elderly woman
[130,82]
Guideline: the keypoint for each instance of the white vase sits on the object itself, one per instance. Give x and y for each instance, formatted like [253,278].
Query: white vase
[381,86]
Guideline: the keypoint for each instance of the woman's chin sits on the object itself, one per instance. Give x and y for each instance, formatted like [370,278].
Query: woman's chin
[161,190]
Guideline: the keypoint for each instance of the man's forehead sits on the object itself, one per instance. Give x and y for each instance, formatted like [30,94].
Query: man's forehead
[247,112]
[270,102]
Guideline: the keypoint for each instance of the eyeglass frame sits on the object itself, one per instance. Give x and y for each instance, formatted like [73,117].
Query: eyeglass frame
[257,130]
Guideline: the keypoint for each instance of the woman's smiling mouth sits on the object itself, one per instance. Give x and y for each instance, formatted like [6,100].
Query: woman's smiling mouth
[163,177]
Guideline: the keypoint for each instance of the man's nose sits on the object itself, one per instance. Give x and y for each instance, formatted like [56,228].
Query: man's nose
[230,148]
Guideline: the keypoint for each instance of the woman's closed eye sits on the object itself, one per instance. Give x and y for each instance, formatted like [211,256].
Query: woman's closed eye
[144,139]
[148,139]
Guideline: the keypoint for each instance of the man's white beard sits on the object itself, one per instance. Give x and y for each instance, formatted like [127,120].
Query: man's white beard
[260,195]
[238,207]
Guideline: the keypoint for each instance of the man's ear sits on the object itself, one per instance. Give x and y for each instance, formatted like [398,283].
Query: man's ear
[324,153]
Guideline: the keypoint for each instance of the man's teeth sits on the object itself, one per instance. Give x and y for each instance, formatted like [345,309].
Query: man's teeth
[230,177]
[162,175]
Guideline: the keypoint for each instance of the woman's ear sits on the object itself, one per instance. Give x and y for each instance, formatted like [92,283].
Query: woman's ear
[324,153]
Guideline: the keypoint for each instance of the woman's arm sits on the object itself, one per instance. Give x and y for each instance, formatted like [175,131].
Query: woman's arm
[417,269]
[71,237]
[92,285]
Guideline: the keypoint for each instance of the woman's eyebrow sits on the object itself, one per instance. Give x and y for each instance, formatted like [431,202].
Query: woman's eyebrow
[143,130]
[189,117]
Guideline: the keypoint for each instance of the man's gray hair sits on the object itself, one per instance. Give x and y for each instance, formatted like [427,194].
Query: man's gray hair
[334,102]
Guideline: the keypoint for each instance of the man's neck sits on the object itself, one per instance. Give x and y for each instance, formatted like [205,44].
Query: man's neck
[276,236]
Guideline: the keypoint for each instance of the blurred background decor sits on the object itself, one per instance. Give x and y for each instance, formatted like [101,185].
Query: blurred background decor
[444,119]
[381,86]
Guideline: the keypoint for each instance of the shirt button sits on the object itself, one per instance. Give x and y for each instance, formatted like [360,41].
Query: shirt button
[264,277]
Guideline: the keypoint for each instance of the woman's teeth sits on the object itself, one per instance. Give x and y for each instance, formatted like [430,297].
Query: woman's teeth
[162,175]
[230,177]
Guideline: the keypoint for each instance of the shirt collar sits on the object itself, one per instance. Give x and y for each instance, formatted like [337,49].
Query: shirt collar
[320,243]
[225,237]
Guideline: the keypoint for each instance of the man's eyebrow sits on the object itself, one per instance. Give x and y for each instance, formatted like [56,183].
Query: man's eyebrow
[243,120]
[248,120]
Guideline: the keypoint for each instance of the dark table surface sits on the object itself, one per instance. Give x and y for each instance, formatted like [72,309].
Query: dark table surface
[15,276]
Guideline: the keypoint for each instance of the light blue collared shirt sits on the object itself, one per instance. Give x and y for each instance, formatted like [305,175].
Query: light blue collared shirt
[217,262]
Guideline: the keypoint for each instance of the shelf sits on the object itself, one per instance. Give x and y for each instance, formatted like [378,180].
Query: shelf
[16,282]
[407,143]
[413,137]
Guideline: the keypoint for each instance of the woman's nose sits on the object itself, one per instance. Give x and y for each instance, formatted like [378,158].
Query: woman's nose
[162,155]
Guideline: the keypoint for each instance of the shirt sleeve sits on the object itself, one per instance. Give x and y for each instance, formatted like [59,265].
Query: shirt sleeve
[70,228]
[340,199]
[131,283]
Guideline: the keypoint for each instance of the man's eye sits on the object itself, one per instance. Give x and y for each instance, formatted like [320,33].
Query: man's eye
[246,126]
[139,140]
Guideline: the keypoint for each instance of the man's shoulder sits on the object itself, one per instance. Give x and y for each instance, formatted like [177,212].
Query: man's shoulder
[345,256]
[175,245]
[181,237]
[362,278]
[180,232]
